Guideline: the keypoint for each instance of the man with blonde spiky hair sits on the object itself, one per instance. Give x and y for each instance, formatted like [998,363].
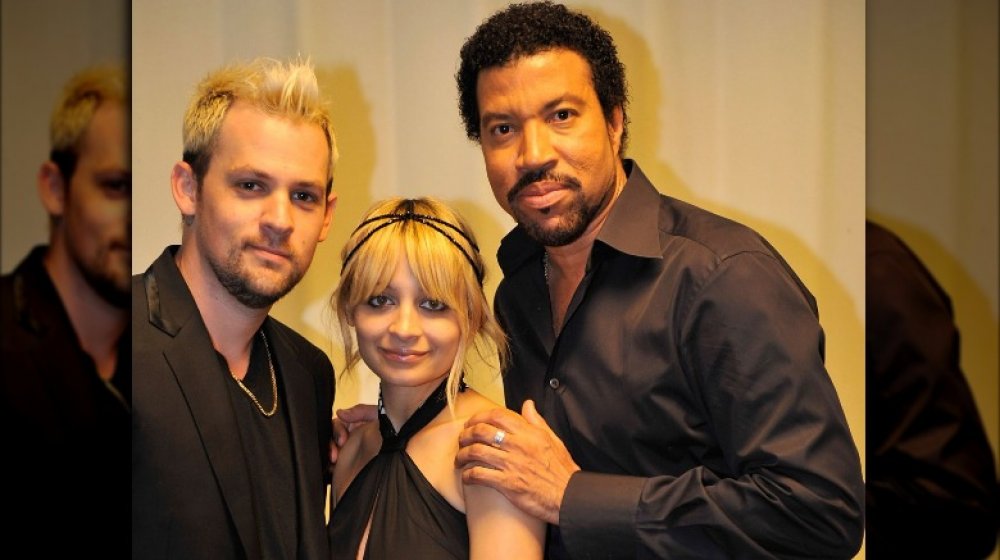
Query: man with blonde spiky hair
[66,381]
[232,409]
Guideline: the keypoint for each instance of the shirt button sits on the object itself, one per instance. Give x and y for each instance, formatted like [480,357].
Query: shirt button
[554,383]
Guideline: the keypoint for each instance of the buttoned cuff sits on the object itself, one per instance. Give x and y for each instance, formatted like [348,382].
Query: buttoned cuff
[598,513]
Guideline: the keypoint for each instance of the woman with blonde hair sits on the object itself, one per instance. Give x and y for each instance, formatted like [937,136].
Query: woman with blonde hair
[411,305]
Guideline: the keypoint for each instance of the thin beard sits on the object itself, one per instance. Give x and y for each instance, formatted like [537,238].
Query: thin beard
[566,235]
[102,282]
[239,287]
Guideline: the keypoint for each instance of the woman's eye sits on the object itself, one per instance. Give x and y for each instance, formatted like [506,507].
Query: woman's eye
[379,301]
[433,305]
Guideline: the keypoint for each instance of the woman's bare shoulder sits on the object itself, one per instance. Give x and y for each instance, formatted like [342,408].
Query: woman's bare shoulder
[470,402]
[467,404]
[433,449]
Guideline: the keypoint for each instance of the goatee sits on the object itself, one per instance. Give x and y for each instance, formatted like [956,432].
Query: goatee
[240,284]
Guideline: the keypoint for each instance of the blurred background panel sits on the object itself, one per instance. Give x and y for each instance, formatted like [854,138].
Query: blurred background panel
[932,157]
[932,168]
[44,42]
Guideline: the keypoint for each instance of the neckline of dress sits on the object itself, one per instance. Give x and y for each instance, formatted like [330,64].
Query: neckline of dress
[430,408]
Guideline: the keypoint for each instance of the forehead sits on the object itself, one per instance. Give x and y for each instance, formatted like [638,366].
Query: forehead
[105,137]
[551,73]
[275,144]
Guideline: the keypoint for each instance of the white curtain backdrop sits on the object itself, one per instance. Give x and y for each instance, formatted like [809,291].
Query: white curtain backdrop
[754,110]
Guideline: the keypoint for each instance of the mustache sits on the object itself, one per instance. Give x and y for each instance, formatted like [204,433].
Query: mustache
[537,175]
[280,245]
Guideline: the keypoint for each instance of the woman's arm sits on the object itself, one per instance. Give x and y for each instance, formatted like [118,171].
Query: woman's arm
[354,455]
[497,529]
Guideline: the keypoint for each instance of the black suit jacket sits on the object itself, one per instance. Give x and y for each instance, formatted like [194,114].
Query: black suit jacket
[191,487]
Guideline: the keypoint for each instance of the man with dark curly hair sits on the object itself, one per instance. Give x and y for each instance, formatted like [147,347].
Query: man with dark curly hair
[667,362]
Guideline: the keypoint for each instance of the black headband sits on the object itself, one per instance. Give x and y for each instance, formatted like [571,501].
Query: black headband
[429,221]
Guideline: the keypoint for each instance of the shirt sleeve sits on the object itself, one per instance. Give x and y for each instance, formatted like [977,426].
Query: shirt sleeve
[788,476]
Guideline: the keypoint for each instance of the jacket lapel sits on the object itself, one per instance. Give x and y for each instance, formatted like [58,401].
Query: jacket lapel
[202,381]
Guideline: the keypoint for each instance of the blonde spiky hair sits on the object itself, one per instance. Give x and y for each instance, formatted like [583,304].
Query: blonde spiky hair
[80,99]
[285,89]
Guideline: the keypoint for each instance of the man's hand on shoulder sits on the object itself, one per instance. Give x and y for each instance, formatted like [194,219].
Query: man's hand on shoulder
[519,456]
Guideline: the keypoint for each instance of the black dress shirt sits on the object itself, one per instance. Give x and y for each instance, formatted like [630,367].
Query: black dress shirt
[267,448]
[688,383]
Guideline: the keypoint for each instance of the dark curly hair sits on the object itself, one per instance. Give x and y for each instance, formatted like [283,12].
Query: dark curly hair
[526,29]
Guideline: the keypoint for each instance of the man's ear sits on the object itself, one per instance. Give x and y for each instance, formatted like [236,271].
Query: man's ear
[184,188]
[616,126]
[52,189]
[331,205]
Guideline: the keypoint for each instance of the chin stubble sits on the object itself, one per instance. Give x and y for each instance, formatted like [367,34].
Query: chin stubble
[239,284]
[576,219]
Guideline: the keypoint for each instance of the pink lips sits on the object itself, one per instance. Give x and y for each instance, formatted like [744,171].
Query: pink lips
[542,194]
[402,356]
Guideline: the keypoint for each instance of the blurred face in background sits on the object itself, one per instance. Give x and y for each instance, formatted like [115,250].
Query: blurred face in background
[97,219]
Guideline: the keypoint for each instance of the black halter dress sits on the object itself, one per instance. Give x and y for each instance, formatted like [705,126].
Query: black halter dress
[409,518]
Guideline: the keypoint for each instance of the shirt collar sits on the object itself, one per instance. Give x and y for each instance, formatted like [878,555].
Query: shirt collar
[626,230]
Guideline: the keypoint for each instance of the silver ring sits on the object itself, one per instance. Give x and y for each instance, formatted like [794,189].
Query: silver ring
[498,437]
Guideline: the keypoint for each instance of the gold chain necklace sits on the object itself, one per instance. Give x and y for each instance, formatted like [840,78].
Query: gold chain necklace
[274,382]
